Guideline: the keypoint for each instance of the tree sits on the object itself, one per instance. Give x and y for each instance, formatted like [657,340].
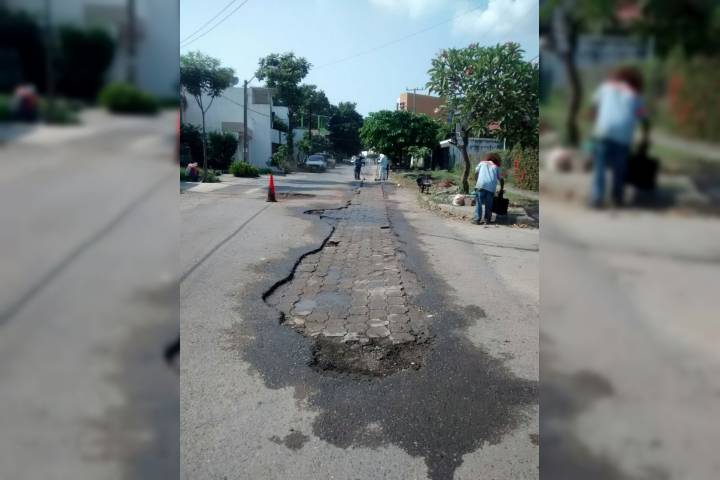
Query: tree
[394,132]
[202,76]
[284,72]
[344,127]
[85,56]
[490,91]
[561,22]
[221,149]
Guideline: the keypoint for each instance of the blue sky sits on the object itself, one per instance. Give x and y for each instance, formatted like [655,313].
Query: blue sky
[324,31]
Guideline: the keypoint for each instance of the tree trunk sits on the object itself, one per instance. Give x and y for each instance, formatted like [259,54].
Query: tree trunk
[573,132]
[466,162]
[204,144]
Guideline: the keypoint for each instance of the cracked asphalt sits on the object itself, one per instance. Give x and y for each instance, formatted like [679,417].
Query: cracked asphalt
[345,343]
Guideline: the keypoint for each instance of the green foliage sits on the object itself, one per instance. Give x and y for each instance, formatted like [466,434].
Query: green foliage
[393,132]
[210,176]
[284,72]
[694,98]
[183,175]
[4,108]
[319,143]
[242,169]
[191,136]
[21,40]
[344,127]
[483,85]
[281,159]
[525,168]
[201,75]
[125,98]
[85,56]
[264,171]
[62,112]
[221,149]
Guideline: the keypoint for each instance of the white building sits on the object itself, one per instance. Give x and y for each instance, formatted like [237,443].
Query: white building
[157,27]
[226,115]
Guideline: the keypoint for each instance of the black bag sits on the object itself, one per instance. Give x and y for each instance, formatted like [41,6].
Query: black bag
[500,204]
[642,171]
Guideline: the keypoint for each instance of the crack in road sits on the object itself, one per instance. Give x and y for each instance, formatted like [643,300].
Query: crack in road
[461,400]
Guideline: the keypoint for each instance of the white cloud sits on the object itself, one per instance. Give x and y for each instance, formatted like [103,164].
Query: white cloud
[500,21]
[414,8]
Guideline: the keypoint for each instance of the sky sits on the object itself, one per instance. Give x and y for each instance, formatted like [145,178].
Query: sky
[327,32]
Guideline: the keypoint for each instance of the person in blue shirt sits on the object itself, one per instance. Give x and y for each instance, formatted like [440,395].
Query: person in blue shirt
[487,174]
[617,107]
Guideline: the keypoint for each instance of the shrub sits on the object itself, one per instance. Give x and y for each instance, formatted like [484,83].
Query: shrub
[221,149]
[86,54]
[694,98]
[125,98]
[62,112]
[211,176]
[191,137]
[242,169]
[264,171]
[4,108]
[526,170]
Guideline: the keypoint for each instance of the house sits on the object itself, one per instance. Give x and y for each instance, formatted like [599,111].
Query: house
[154,65]
[427,104]
[226,115]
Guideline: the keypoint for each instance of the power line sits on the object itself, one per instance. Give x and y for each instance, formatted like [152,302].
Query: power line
[206,23]
[392,42]
[216,25]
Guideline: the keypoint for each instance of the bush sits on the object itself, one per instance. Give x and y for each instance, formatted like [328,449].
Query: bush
[694,98]
[86,54]
[62,112]
[221,149]
[242,169]
[191,137]
[4,108]
[525,168]
[264,171]
[211,176]
[125,98]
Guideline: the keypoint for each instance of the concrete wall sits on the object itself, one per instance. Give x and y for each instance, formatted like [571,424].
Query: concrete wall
[158,23]
[226,115]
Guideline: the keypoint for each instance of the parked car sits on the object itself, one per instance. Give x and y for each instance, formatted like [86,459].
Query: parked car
[316,163]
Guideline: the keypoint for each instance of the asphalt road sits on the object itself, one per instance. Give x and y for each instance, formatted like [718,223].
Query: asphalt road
[629,358]
[89,300]
[252,406]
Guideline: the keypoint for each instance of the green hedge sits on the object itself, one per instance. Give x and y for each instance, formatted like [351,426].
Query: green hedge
[125,98]
[694,98]
[242,169]
[525,168]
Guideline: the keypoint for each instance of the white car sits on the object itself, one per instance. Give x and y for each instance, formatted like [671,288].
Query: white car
[316,162]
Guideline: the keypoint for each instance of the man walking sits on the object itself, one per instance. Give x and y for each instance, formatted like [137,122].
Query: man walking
[383,167]
[487,174]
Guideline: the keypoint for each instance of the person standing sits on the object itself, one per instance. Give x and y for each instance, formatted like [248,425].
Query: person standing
[358,166]
[617,108]
[383,167]
[487,174]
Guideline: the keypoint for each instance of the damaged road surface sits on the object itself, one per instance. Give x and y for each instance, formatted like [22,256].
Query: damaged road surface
[323,344]
[352,294]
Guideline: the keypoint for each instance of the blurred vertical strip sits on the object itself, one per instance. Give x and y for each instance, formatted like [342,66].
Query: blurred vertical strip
[89,315]
[630,365]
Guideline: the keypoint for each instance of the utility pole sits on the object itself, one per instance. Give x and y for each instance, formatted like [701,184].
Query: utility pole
[131,36]
[414,92]
[49,59]
[245,129]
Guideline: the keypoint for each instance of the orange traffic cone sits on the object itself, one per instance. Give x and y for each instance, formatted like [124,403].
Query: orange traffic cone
[271,190]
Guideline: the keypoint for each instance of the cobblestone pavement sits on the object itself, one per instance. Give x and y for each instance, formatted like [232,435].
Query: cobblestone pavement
[355,289]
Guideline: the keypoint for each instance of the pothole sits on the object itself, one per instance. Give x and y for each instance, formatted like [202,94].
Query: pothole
[352,296]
